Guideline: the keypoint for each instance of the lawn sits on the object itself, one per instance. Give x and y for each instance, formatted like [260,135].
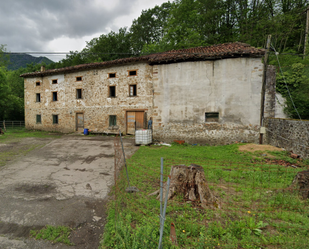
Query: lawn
[257,210]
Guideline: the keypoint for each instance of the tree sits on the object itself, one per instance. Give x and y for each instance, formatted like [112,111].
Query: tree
[294,86]
[4,93]
[150,27]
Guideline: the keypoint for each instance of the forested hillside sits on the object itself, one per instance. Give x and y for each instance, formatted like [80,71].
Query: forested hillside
[16,61]
[191,23]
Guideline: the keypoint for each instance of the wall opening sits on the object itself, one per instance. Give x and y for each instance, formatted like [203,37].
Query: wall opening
[79,93]
[132,73]
[112,75]
[55,96]
[132,90]
[38,83]
[112,120]
[55,81]
[79,78]
[112,91]
[38,97]
[212,117]
[55,119]
[38,119]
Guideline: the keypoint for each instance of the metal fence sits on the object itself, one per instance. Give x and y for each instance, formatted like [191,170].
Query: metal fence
[12,124]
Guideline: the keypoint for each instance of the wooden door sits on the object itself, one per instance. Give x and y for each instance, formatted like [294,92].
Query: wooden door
[131,122]
[139,119]
[79,122]
[135,120]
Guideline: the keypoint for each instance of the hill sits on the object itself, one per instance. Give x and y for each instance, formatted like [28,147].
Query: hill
[21,60]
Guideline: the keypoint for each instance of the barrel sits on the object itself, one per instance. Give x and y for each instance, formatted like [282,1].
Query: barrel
[86,131]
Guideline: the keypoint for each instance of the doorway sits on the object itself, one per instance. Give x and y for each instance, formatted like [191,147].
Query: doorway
[135,119]
[80,122]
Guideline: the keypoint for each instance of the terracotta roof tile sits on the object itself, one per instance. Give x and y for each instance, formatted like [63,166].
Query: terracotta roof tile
[220,51]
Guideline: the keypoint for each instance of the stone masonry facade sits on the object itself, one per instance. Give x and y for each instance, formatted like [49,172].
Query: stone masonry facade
[95,103]
[205,95]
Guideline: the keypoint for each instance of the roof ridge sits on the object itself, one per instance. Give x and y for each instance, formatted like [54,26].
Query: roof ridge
[217,51]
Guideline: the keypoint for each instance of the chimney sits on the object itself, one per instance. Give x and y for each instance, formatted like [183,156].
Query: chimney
[42,68]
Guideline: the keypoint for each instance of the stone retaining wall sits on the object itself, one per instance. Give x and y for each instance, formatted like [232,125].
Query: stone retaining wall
[293,135]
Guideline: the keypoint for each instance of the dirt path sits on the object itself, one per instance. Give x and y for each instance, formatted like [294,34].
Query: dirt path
[66,182]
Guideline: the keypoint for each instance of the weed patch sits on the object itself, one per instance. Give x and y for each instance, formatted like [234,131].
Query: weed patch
[58,234]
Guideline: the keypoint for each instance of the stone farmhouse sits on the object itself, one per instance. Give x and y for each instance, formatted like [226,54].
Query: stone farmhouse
[208,95]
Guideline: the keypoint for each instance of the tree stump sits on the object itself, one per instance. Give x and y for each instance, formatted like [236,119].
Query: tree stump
[301,183]
[191,183]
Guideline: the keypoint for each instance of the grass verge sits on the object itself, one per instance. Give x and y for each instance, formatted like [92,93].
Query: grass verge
[59,234]
[258,210]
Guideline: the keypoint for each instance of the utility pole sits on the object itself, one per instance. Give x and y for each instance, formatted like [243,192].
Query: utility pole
[306,32]
[264,87]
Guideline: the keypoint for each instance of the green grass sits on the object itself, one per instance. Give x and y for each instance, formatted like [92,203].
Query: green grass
[17,134]
[257,210]
[58,234]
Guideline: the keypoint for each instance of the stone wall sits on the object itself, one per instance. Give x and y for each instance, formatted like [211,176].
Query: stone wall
[185,92]
[293,135]
[95,104]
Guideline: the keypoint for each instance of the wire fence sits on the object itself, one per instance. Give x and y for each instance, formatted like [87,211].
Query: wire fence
[12,124]
[258,206]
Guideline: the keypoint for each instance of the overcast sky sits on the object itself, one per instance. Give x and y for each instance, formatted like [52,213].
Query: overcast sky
[63,25]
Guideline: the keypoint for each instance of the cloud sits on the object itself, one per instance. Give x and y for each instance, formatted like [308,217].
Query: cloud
[63,25]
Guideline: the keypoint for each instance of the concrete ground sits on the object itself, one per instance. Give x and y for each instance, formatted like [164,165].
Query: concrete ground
[66,182]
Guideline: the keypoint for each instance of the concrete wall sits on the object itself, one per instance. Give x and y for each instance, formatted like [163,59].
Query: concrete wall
[184,92]
[293,135]
[96,105]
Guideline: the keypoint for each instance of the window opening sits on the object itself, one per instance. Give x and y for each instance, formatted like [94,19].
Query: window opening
[78,93]
[112,120]
[38,119]
[55,81]
[112,75]
[132,90]
[55,119]
[112,91]
[38,97]
[55,96]
[79,78]
[38,83]
[212,117]
[132,73]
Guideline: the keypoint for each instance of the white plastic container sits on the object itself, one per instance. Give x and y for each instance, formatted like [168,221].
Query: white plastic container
[143,136]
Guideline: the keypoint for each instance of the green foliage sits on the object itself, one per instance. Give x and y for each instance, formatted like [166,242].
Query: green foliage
[58,234]
[294,85]
[4,94]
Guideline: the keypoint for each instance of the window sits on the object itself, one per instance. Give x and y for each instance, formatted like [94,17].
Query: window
[132,73]
[55,96]
[38,83]
[78,93]
[132,90]
[38,119]
[55,81]
[79,78]
[55,119]
[112,75]
[112,120]
[38,97]
[112,91]
[212,117]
